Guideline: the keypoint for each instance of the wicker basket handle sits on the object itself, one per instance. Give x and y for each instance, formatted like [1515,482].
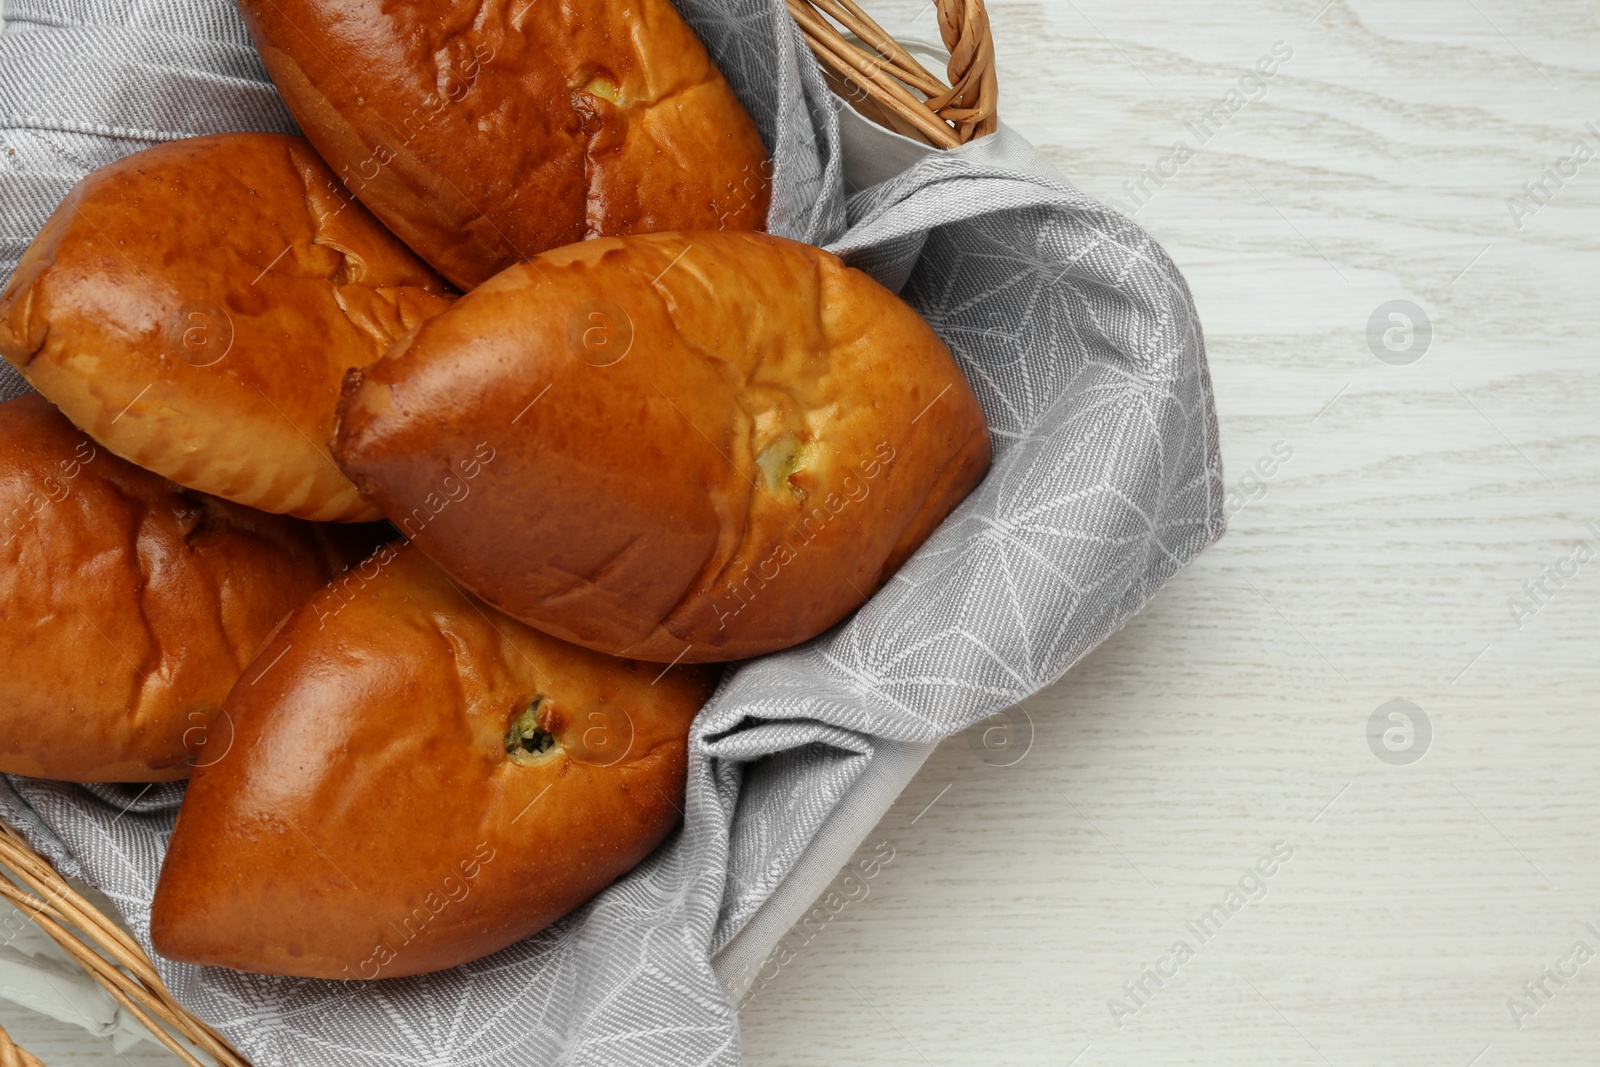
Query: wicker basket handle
[884,82]
[13,1056]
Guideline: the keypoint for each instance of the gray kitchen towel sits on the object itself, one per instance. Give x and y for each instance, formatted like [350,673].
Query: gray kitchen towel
[1083,344]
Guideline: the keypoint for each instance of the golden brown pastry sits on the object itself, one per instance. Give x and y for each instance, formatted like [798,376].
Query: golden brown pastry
[194,306]
[676,447]
[128,606]
[417,781]
[484,134]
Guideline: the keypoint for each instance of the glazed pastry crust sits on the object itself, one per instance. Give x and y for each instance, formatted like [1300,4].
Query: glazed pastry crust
[374,819]
[685,447]
[128,605]
[194,306]
[486,133]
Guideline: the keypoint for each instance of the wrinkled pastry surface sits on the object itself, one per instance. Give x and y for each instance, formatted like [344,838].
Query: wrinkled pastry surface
[194,306]
[417,781]
[128,605]
[485,133]
[693,447]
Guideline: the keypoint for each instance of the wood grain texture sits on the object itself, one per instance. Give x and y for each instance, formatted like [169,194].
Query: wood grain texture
[1376,563]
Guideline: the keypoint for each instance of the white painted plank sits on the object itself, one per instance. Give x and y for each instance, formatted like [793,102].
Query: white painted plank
[1375,564]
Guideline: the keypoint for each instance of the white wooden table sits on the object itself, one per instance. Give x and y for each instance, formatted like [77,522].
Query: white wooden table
[1399,508]
[1374,564]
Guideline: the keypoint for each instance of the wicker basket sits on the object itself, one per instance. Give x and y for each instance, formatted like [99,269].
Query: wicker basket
[865,66]
[888,85]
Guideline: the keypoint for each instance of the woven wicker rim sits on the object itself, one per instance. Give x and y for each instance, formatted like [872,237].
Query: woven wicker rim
[881,80]
[884,82]
[103,949]
[12,1056]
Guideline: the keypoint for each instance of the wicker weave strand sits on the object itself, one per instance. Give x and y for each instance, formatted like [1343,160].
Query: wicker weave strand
[887,84]
[13,1056]
[103,949]
[971,103]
